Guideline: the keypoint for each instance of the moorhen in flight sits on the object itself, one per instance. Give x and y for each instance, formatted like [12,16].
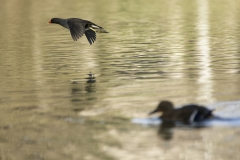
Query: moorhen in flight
[79,27]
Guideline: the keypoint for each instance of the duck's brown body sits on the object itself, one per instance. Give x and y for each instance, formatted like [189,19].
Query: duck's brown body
[187,114]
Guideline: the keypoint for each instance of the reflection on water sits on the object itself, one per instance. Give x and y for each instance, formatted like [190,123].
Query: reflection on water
[183,51]
[204,51]
[166,129]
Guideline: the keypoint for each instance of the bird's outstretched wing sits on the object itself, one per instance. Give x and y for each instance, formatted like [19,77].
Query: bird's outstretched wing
[76,27]
[91,36]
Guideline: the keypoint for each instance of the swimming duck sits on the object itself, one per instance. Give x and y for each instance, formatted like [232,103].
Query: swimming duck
[79,27]
[188,114]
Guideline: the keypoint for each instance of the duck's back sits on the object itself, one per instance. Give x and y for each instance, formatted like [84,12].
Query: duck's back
[192,113]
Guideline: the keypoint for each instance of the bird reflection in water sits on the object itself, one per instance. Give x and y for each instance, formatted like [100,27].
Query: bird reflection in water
[91,78]
[166,129]
[88,88]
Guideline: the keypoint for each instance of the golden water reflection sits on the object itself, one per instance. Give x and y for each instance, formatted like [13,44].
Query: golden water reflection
[187,52]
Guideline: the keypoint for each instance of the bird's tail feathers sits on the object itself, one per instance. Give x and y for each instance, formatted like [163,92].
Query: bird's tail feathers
[97,29]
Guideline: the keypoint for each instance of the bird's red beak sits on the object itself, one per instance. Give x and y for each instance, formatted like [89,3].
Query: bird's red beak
[49,22]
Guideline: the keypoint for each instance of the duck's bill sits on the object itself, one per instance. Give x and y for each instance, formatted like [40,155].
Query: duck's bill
[155,111]
[49,22]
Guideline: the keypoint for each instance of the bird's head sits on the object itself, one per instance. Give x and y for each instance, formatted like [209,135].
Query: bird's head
[53,20]
[163,106]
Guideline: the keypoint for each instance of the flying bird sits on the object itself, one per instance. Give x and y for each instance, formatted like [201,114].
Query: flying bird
[79,27]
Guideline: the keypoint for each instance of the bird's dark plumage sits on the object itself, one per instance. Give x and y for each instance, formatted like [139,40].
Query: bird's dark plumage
[79,27]
[187,114]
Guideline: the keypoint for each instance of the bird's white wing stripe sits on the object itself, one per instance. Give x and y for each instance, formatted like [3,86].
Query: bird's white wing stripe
[191,120]
[94,26]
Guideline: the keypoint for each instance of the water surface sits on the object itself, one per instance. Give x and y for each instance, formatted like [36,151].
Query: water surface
[186,52]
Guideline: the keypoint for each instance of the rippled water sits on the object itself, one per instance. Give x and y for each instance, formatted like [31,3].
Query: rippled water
[183,51]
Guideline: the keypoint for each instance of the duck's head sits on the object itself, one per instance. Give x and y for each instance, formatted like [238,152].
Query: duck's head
[164,106]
